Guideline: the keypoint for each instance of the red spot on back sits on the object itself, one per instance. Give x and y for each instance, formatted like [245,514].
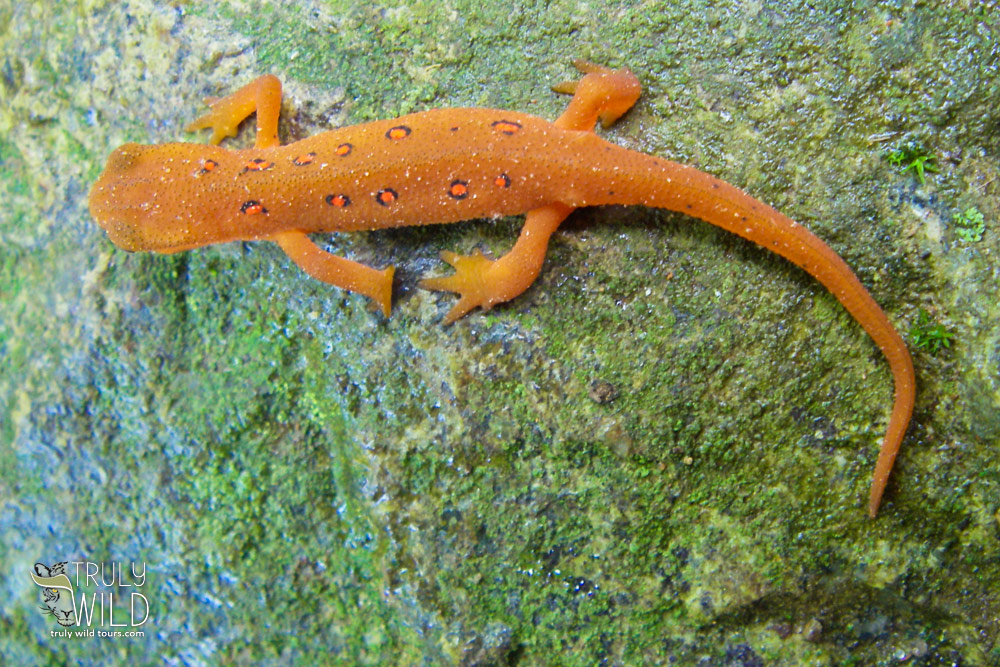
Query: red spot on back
[502,181]
[507,126]
[338,201]
[386,196]
[304,159]
[343,150]
[252,207]
[458,189]
[207,167]
[398,132]
[257,164]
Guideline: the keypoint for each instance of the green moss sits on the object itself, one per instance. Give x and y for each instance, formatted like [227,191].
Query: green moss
[930,335]
[969,225]
[913,157]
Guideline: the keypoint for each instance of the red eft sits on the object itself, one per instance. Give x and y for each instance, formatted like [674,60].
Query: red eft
[443,166]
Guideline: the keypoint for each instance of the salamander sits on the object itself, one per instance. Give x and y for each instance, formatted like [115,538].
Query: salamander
[441,166]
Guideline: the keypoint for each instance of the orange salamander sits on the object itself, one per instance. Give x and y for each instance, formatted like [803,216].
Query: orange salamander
[442,166]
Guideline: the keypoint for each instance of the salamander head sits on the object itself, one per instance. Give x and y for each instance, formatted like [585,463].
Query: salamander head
[154,197]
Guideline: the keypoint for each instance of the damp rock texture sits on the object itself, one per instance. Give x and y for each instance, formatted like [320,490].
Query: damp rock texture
[659,454]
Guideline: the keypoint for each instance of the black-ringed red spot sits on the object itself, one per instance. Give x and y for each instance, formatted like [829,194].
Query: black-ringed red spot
[502,181]
[386,196]
[343,150]
[507,126]
[338,201]
[398,132]
[304,159]
[207,166]
[257,164]
[458,189]
[252,207]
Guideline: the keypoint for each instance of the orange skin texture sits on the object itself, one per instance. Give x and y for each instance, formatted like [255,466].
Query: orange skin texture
[444,166]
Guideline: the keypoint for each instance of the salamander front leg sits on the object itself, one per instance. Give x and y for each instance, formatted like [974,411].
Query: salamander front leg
[602,94]
[485,282]
[262,95]
[343,273]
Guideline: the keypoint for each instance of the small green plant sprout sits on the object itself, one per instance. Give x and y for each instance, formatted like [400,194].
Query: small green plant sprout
[929,335]
[969,225]
[913,157]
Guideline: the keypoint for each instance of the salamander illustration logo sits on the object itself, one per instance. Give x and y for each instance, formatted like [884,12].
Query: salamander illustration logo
[58,597]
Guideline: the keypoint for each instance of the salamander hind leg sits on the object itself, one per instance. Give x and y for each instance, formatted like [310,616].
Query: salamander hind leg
[484,282]
[262,95]
[602,94]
